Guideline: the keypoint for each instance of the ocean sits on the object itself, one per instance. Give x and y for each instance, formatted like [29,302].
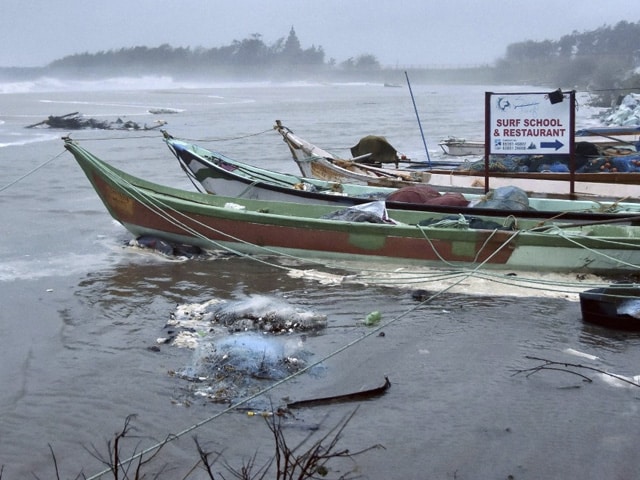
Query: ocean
[88,321]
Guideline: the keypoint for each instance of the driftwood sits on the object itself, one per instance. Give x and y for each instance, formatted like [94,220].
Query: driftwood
[76,121]
[348,397]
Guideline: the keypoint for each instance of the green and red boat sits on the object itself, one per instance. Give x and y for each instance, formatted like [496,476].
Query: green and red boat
[401,236]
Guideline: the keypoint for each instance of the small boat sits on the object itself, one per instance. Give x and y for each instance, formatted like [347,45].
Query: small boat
[220,175]
[366,232]
[315,162]
[537,175]
[616,307]
[460,147]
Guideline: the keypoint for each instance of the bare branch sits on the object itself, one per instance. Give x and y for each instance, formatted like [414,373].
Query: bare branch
[566,367]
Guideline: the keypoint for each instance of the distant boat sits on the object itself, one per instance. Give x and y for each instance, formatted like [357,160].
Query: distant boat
[460,147]
[315,162]
[392,85]
[363,233]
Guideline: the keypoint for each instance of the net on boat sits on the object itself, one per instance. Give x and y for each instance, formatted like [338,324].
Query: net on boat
[605,160]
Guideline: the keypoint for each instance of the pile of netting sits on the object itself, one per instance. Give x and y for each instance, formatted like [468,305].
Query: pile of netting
[608,160]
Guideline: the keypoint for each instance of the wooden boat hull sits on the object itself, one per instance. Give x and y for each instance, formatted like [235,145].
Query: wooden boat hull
[288,228]
[317,163]
[220,175]
[620,185]
[601,306]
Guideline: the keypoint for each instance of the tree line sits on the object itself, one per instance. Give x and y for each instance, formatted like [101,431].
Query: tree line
[249,54]
[604,60]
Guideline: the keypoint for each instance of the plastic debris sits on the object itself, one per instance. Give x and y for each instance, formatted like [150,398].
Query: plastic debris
[372,318]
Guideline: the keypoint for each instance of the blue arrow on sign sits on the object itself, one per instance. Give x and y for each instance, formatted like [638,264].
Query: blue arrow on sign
[557,144]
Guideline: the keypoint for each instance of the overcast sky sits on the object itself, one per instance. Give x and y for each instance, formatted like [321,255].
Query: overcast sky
[397,32]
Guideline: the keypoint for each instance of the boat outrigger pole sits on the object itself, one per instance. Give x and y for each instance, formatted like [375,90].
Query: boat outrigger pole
[424,142]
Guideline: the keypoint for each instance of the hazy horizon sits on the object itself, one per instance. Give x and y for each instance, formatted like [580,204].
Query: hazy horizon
[408,33]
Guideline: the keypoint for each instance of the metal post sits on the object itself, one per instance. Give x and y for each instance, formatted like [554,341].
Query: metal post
[424,142]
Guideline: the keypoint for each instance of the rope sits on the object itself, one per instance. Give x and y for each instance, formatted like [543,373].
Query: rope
[148,202]
[157,206]
[128,137]
[31,172]
[161,209]
[477,271]
[570,238]
[229,139]
[371,332]
[462,276]
[133,137]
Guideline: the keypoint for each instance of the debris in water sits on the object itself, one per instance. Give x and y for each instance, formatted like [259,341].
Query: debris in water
[76,121]
[240,344]
[372,319]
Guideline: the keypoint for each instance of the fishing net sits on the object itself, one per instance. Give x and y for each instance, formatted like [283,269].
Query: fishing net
[588,158]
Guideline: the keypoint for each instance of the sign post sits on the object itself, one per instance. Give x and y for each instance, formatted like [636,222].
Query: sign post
[530,124]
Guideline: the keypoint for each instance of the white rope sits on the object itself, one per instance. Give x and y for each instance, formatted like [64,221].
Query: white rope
[161,208]
[567,235]
[372,331]
[361,274]
[31,172]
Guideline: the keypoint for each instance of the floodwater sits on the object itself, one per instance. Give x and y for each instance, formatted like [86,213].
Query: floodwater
[84,315]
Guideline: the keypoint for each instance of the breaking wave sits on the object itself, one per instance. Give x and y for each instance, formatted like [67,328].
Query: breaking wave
[52,84]
[14,139]
[148,82]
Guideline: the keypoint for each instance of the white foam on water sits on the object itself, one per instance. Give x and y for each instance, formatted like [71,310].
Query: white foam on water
[16,139]
[620,381]
[147,82]
[482,282]
[578,353]
[52,84]
[30,268]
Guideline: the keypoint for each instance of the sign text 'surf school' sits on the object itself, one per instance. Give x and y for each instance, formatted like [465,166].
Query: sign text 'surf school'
[529,123]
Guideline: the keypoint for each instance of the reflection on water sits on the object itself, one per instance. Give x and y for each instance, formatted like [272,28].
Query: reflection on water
[611,341]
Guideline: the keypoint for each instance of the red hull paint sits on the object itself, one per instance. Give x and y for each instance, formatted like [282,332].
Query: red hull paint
[337,240]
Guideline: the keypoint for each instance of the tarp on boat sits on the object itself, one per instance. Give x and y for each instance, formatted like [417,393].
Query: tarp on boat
[380,149]
[372,212]
[505,198]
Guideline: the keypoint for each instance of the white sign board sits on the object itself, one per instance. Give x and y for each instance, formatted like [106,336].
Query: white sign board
[529,123]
